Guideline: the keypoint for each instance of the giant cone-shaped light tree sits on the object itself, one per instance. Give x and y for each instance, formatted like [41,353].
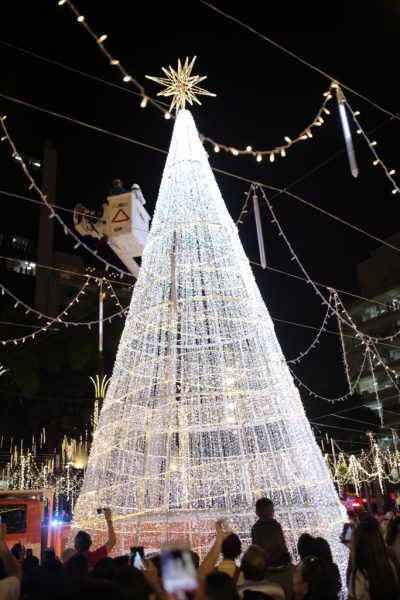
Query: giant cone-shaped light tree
[201,417]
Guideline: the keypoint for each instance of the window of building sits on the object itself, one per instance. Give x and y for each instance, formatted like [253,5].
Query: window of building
[20,243]
[394,355]
[33,163]
[366,386]
[14,516]
[23,267]
[370,312]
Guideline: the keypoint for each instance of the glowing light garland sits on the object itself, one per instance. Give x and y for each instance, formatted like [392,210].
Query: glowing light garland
[277,151]
[201,416]
[58,320]
[53,214]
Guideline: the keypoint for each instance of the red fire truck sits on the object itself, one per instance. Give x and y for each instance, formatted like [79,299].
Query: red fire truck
[26,514]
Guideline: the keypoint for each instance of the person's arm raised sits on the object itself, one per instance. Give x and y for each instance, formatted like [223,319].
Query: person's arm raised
[212,556]
[110,543]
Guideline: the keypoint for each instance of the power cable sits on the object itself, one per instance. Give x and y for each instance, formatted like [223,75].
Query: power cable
[221,171]
[298,58]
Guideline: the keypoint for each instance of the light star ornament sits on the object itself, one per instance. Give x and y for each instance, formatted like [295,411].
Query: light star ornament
[181,85]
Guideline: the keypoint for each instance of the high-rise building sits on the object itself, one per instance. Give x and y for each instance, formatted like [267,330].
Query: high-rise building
[379,316]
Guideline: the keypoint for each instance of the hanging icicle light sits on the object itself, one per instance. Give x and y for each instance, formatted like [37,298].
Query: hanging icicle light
[259,229]
[346,130]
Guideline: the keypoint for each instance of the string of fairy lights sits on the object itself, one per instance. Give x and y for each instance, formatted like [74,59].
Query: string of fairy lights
[280,150]
[259,154]
[306,134]
[63,470]
[32,469]
[312,345]
[88,324]
[52,213]
[329,311]
[380,464]
[58,320]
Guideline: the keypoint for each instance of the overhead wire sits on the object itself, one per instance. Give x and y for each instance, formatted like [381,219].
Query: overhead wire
[221,171]
[74,70]
[298,58]
[69,272]
[228,174]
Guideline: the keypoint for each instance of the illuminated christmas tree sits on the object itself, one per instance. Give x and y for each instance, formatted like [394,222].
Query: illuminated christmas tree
[201,417]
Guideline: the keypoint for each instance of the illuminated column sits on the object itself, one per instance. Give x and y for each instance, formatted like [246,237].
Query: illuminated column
[101,382]
[201,417]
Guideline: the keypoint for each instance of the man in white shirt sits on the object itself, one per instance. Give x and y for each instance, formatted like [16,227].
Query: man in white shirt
[10,586]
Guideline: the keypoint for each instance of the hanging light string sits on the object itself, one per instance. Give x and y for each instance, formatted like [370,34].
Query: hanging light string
[366,339]
[244,209]
[114,62]
[58,319]
[325,398]
[375,387]
[53,214]
[372,145]
[346,319]
[391,373]
[271,153]
[322,329]
[223,172]
[117,302]
[49,323]
[280,150]
[342,343]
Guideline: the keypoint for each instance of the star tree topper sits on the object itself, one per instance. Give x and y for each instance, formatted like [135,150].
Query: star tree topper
[181,85]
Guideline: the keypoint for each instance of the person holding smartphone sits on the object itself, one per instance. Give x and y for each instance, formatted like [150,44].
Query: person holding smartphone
[83,542]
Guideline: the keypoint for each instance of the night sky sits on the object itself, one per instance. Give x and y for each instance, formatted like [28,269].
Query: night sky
[263,95]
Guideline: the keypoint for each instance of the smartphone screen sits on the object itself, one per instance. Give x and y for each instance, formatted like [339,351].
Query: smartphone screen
[100,511]
[347,532]
[178,570]
[137,553]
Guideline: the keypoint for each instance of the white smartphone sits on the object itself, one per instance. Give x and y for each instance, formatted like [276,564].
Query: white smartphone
[178,570]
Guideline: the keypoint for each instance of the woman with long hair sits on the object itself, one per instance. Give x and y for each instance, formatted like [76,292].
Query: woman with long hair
[393,536]
[314,579]
[374,574]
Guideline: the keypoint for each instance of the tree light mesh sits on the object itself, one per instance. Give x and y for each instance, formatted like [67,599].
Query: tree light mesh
[201,417]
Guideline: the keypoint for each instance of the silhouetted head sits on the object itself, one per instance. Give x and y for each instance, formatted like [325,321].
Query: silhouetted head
[83,541]
[231,547]
[254,563]
[77,566]
[117,183]
[264,507]
[306,545]
[220,586]
[16,551]
[322,549]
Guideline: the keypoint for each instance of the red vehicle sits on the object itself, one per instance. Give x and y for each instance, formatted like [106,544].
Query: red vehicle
[23,511]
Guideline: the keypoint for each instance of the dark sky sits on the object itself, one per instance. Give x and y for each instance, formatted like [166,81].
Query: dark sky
[263,94]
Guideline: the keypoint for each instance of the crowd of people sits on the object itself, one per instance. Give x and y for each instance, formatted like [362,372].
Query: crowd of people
[264,571]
